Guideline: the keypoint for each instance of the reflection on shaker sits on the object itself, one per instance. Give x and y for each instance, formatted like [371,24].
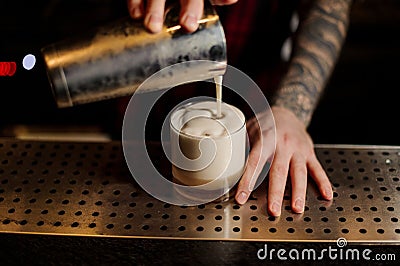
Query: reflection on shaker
[115,59]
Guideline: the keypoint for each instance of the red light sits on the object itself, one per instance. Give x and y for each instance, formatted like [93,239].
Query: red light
[7,68]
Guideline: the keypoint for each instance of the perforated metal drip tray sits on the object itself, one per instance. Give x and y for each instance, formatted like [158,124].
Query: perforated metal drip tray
[86,189]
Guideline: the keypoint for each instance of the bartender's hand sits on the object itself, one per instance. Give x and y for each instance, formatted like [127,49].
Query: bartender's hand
[153,12]
[294,156]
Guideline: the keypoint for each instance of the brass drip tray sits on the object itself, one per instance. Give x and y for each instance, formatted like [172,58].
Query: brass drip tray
[75,188]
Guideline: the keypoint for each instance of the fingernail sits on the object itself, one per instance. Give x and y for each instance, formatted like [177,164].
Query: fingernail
[276,208]
[242,197]
[190,22]
[155,23]
[299,204]
[328,193]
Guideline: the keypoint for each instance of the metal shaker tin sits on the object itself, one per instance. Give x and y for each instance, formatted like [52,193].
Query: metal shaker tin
[115,59]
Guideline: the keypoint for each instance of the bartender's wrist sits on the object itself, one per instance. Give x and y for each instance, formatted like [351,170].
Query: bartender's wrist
[296,101]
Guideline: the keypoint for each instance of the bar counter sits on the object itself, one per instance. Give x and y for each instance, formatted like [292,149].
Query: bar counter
[77,202]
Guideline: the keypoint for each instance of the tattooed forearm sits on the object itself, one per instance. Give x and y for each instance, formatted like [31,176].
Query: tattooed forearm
[316,49]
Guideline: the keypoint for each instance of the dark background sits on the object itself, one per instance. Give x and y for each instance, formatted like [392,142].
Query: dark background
[360,104]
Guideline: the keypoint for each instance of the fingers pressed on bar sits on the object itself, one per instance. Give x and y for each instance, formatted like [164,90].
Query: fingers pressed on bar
[298,173]
[277,182]
[318,173]
[250,173]
[260,153]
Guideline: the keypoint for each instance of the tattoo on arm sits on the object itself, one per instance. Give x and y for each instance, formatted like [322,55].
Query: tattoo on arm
[316,49]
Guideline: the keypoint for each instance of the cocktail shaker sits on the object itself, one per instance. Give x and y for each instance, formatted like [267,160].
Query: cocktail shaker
[115,59]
